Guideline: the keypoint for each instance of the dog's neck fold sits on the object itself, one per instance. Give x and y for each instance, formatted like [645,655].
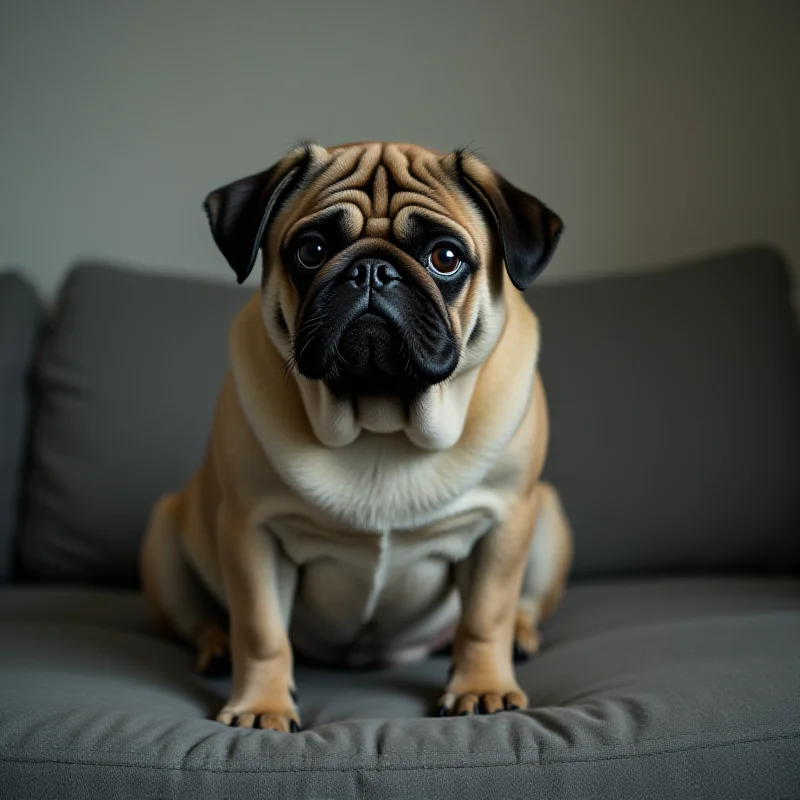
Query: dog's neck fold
[433,421]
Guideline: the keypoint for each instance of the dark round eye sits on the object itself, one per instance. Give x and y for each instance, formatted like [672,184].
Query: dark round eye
[311,254]
[445,259]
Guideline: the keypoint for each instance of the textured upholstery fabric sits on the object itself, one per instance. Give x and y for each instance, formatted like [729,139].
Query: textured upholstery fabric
[129,379]
[20,325]
[675,415]
[663,688]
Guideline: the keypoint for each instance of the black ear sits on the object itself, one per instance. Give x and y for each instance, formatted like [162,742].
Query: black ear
[239,212]
[527,229]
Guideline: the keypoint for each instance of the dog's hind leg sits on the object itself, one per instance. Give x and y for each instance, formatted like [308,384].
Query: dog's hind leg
[549,561]
[177,596]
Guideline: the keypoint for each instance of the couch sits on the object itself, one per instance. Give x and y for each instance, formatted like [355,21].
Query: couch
[672,669]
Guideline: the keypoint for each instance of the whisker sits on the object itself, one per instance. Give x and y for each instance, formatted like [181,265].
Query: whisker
[316,327]
[311,339]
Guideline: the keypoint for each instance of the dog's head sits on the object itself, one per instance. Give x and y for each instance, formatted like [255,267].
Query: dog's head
[383,263]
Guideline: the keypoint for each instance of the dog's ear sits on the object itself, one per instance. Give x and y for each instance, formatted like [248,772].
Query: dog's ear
[527,229]
[239,212]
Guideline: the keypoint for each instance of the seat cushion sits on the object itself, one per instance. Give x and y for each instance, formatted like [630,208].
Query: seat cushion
[681,687]
[20,325]
[675,415]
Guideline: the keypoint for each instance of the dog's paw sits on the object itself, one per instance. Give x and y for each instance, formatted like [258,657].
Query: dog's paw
[464,701]
[213,652]
[283,720]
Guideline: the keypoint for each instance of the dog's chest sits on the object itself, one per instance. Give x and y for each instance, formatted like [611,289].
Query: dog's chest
[451,537]
[353,578]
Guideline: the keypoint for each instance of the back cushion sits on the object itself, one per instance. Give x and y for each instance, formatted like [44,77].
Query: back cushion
[675,416]
[129,379]
[20,323]
[674,398]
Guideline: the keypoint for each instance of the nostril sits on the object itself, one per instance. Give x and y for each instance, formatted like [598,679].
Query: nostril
[372,273]
[386,273]
[358,273]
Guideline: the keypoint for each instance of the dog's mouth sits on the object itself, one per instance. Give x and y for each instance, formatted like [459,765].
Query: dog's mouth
[370,360]
[371,344]
[396,346]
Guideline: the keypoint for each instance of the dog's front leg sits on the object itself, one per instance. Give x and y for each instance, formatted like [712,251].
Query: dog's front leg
[259,585]
[489,582]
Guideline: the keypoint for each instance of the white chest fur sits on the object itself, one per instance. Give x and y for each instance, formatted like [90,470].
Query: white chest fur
[394,582]
[450,536]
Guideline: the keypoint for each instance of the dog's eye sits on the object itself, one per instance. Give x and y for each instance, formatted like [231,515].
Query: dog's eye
[445,259]
[311,254]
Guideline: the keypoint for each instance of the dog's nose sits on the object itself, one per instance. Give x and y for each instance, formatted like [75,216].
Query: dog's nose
[372,273]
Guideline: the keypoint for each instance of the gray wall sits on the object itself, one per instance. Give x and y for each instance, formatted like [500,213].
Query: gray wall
[657,130]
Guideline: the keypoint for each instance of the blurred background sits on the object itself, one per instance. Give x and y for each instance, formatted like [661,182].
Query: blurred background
[657,130]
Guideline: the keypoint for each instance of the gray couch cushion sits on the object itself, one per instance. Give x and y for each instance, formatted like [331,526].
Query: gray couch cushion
[20,323]
[665,688]
[675,415]
[129,379]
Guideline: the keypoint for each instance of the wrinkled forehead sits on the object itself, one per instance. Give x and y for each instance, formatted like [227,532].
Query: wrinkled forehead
[384,190]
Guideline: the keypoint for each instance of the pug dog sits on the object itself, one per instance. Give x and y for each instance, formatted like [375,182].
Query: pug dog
[371,486]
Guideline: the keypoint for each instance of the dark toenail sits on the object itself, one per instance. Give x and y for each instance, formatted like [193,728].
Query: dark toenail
[441,711]
[520,654]
[464,714]
[293,727]
[512,707]
[217,667]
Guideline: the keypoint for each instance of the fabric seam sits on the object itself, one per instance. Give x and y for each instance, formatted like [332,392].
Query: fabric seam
[392,768]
